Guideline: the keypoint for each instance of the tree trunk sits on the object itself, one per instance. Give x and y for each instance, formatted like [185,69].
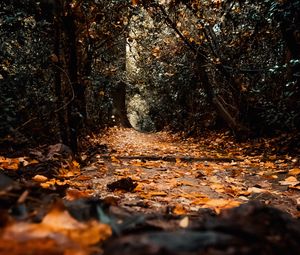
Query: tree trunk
[239,130]
[76,108]
[119,105]
[60,114]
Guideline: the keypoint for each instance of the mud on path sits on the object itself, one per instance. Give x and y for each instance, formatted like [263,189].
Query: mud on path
[163,173]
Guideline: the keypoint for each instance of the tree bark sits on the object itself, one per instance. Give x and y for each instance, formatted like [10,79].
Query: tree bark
[119,105]
[60,115]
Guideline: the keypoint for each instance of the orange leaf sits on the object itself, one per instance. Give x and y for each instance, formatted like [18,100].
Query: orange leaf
[294,171]
[290,181]
[178,161]
[40,178]
[84,178]
[73,194]
[9,163]
[270,165]
[134,2]
[179,210]
[75,164]
[154,194]
[219,204]
[60,226]
[60,221]
[114,159]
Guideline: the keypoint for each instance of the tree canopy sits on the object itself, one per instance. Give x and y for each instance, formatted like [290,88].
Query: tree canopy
[186,66]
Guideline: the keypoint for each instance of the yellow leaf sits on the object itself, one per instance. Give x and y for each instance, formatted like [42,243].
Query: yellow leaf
[270,165]
[191,195]
[73,194]
[200,201]
[217,187]
[296,187]
[40,178]
[66,173]
[114,159]
[139,187]
[179,210]
[255,190]
[45,185]
[61,183]
[290,181]
[75,163]
[294,171]
[48,184]
[137,163]
[31,162]
[158,193]
[178,161]
[184,223]
[9,163]
[155,194]
[218,204]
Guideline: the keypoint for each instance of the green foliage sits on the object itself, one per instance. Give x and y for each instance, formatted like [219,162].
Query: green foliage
[177,58]
[25,77]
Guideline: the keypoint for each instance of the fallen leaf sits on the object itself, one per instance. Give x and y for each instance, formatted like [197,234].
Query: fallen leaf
[40,178]
[186,183]
[139,187]
[294,171]
[179,210]
[270,165]
[73,194]
[157,194]
[84,178]
[134,2]
[255,190]
[178,162]
[75,164]
[60,226]
[217,187]
[115,160]
[53,182]
[200,201]
[70,171]
[290,181]
[184,223]
[9,163]
[222,203]
[296,187]
[33,161]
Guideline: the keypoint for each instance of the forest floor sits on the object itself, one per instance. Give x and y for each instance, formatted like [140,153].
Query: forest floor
[127,184]
[184,175]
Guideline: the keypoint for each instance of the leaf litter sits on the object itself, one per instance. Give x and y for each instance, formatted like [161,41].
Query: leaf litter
[221,184]
[126,180]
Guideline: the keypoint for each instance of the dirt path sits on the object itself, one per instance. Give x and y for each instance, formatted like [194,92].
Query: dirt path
[154,190]
[183,176]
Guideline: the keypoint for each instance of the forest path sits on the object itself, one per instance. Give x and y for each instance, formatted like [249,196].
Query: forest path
[162,172]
